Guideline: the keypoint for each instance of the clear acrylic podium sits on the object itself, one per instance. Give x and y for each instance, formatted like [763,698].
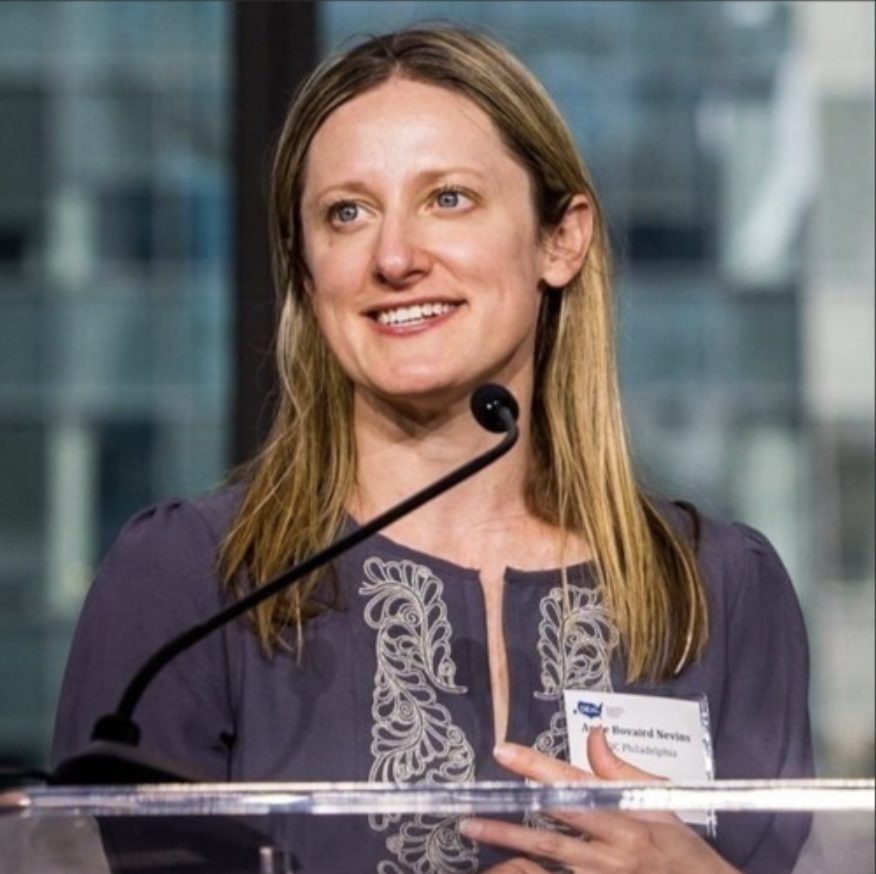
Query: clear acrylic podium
[228,828]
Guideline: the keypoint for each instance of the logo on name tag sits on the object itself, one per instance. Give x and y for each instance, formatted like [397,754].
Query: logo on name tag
[592,710]
[589,709]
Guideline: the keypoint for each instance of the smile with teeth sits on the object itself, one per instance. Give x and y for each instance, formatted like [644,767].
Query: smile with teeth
[415,314]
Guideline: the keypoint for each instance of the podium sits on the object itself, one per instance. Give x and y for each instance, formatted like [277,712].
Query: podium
[280,828]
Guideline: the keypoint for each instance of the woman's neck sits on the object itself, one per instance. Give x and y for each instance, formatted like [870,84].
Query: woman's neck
[398,454]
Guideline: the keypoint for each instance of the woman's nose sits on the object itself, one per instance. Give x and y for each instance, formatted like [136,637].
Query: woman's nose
[400,255]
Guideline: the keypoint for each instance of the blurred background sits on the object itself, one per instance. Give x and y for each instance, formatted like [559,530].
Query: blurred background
[732,144]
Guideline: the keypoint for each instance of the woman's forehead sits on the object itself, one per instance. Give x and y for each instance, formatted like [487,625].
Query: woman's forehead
[405,126]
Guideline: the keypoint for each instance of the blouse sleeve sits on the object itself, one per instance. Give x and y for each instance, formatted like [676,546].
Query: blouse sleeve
[157,580]
[764,731]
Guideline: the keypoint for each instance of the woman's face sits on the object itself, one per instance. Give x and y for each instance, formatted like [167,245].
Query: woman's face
[423,247]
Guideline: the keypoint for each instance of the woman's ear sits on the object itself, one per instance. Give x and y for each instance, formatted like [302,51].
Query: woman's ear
[565,246]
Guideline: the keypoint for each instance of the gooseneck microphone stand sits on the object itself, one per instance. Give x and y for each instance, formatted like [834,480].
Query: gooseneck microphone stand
[113,756]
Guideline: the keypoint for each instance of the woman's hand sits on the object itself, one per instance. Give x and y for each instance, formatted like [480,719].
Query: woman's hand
[617,843]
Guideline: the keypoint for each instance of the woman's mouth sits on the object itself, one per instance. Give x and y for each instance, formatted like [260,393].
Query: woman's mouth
[415,314]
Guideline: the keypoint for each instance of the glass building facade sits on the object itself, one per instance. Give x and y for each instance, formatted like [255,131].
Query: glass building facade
[732,145]
[114,359]
[732,148]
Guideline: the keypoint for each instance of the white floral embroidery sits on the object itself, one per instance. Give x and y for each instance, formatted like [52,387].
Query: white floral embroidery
[575,648]
[430,844]
[413,738]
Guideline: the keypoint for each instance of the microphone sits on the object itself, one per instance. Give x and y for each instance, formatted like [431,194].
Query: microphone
[495,408]
[113,757]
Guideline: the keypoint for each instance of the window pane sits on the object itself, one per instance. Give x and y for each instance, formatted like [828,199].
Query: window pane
[732,147]
[114,300]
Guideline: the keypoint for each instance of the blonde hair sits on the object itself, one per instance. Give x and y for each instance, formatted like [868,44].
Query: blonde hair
[580,478]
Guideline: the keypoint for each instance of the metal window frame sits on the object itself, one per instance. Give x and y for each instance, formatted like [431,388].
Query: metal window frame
[275,46]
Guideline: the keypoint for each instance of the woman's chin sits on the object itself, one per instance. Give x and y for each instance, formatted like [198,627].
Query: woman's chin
[427,395]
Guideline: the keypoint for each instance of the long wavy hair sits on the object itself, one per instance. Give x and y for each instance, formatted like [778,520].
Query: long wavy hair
[580,476]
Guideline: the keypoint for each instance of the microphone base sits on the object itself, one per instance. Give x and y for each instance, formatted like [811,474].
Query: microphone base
[109,763]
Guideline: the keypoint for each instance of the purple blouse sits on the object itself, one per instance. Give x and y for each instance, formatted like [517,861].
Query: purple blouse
[395,684]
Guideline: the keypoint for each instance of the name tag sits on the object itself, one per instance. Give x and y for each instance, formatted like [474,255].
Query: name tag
[667,737]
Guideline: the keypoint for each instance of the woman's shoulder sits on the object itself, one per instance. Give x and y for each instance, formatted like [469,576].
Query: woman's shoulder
[707,532]
[736,560]
[171,544]
[158,579]
[187,522]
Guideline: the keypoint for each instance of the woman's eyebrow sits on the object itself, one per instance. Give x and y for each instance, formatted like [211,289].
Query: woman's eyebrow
[423,177]
[439,172]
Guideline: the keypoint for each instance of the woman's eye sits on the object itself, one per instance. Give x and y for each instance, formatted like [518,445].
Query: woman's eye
[449,198]
[344,213]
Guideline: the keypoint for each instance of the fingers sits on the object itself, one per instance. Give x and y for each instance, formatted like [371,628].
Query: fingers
[604,824]
[609,766]
[627,846]
[617,841]
[529,763]
[517,866]
[570,851]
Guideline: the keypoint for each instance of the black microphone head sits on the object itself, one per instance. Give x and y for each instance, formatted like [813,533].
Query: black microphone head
[487,403]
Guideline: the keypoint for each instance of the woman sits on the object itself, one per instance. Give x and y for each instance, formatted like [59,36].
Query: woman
[434,229]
